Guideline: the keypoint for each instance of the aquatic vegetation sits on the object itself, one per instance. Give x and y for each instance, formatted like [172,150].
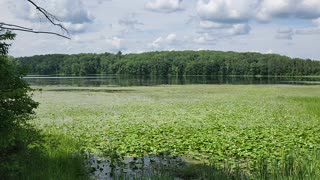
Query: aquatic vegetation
[209,123]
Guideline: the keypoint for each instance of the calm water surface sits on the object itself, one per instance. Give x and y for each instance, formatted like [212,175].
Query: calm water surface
[115,80]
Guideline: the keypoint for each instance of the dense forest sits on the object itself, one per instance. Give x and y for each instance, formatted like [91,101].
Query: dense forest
[167,63]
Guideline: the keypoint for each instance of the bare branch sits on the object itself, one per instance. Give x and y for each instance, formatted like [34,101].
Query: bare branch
[13,25]
[49,17]
[32,31]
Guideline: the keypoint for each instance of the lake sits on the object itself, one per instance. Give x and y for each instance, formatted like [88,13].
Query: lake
[118,80]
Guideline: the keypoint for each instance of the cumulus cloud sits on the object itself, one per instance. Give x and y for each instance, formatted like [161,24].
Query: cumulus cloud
[211,25]
[164,6]
[235,16]
[71,13]
[226,11]
[303,9]
[171,38]
[162,41]
[228,15]
[240,29]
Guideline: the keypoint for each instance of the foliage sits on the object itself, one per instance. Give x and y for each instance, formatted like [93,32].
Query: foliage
[4,46]
[173,63]
[16,105]
[57,158]
[214,124]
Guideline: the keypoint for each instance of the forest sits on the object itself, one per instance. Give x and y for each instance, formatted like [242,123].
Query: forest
[171,63]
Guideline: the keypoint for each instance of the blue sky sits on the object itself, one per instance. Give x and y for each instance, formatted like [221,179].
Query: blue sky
[288,27]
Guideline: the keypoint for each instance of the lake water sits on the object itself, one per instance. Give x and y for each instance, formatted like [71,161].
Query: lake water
[115,80]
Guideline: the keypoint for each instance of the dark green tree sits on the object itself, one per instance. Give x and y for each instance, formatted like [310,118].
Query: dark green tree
[16,104]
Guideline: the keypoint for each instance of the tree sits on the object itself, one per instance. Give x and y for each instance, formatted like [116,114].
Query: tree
[16,103]
[16,107]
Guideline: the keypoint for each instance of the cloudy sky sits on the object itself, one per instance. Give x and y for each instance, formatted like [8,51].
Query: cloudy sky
[288,27]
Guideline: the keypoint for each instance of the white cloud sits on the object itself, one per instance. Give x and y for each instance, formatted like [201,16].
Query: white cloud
[230,11]
[71,13]
[166,6]
[117,43]
[75,28]
[302,9]
[240,29]
[200,40]
[204,38]
[212,25]
[226,11]
[156,43]
[236,15]
[230,16]
[162,41]
[171,38]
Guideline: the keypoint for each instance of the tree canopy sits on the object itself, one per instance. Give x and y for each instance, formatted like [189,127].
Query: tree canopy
[171,63]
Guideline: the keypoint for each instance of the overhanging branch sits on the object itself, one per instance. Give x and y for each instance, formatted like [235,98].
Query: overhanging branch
[16,28]
[13,25]
[49,16]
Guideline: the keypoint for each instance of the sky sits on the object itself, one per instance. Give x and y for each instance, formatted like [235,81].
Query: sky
[287,27]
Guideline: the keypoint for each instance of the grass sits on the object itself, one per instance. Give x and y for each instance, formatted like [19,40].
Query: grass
[57,162]
[52,157]
[259,126]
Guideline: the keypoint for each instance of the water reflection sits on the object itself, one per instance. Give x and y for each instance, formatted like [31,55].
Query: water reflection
[117,80]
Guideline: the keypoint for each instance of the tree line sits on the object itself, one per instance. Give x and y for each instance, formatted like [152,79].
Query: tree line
[171,63]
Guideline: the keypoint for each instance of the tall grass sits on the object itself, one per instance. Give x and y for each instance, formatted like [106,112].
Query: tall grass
[293,167]
[54,159]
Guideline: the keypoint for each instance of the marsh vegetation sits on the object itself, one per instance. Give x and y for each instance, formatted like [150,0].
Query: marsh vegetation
[257,131]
